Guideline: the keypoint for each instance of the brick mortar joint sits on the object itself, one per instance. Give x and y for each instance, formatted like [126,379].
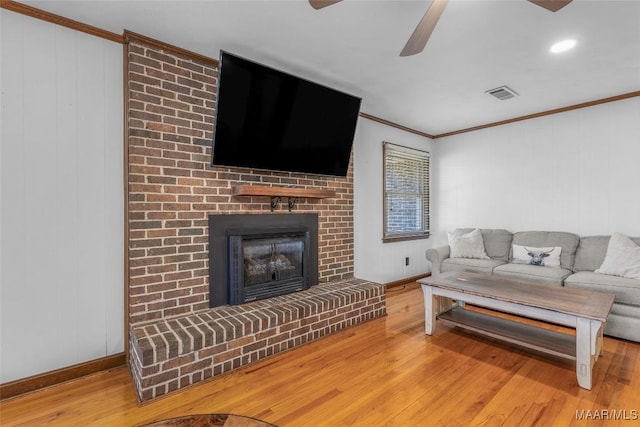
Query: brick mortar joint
[156,388]
[313,304]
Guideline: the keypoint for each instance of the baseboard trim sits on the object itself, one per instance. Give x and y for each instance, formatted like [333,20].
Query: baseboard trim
[15,388]
[405,281]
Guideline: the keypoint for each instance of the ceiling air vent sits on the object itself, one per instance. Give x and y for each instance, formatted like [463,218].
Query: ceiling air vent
[502,93]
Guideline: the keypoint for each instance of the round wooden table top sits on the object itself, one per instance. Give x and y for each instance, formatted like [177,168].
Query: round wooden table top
[210,420]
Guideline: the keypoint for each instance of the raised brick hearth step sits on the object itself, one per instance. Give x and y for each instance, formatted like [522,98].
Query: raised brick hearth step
[172,353]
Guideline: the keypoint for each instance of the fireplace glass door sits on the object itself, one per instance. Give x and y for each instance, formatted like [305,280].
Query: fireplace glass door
[272,260]
[267,266]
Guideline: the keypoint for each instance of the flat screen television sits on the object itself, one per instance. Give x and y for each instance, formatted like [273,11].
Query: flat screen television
[268,119]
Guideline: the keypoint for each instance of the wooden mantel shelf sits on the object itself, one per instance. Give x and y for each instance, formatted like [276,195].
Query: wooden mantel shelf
[276,193]
[269,191]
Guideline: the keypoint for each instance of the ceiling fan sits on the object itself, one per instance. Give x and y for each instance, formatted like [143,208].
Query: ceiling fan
[421,34]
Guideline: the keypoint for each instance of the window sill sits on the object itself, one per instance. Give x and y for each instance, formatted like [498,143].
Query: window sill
[392,239]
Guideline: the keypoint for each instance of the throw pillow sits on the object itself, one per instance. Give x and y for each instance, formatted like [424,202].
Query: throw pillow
[546,257]
[470,245]
[622,258]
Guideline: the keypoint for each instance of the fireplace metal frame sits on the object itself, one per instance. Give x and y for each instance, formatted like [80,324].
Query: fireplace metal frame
[219,226]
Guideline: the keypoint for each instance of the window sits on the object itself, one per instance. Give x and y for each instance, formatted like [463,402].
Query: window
[406,193]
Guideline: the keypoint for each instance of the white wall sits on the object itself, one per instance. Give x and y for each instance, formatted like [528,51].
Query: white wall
[374,260]
[61,204]
[577,171]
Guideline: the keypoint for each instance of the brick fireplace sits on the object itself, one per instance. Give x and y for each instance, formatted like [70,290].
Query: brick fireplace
[173,188]
[172,191]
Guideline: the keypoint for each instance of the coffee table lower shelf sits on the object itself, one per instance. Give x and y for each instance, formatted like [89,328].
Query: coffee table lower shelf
[532,337]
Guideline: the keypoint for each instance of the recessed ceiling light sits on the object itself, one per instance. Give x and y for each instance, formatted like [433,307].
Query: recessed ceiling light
[563,46]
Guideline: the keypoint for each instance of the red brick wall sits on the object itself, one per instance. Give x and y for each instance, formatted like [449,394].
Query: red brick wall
[173,188]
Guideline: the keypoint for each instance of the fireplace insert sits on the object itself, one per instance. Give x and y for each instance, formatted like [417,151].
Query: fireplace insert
[264,265]
[257,256]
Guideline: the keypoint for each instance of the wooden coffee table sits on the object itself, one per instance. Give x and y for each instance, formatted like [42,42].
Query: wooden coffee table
[586,311]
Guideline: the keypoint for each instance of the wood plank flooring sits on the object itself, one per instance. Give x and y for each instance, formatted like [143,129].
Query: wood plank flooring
[385,372]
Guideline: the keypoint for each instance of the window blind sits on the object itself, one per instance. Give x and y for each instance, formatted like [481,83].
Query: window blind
[406,192]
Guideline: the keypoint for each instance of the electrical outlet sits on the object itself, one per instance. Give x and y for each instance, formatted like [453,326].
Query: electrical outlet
[406,261]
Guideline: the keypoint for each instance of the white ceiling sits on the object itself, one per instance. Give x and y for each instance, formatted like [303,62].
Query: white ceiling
[354,46]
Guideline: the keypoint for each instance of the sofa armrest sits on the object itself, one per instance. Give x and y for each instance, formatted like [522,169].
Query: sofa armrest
[435,256]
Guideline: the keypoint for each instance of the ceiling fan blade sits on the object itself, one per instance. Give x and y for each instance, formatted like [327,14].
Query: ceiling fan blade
[552,5]
[421,34]
[319,4]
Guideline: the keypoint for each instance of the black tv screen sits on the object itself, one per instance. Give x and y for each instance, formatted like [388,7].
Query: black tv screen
[268,119]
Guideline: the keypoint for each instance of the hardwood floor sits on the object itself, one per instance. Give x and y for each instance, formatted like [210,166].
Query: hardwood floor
[386,372]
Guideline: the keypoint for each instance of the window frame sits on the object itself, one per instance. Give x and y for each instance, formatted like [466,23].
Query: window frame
[425,232]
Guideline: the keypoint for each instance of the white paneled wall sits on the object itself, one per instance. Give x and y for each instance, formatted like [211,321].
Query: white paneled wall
[61,178]
[374,260]
[577,171]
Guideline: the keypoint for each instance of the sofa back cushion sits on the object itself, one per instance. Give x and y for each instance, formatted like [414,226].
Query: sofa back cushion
[592,251]
[497,242]
[568,242]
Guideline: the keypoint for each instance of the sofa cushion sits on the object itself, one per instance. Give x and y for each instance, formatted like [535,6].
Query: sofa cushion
[622,259]
[468,264]
[497,242]
[627,290]
[536,273]
[568,242]
[591,252]
[467,245]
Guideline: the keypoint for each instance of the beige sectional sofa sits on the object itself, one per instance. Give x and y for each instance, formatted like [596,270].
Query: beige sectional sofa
[579,258]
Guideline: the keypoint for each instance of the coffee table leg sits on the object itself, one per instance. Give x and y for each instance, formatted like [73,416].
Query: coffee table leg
[586,334]
[429,312]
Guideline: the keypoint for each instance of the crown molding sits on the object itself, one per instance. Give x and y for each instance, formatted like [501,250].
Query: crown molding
[541,114]
[59,20]
[395,125]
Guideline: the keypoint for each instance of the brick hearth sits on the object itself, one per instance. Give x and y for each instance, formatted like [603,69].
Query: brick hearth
[173,353]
